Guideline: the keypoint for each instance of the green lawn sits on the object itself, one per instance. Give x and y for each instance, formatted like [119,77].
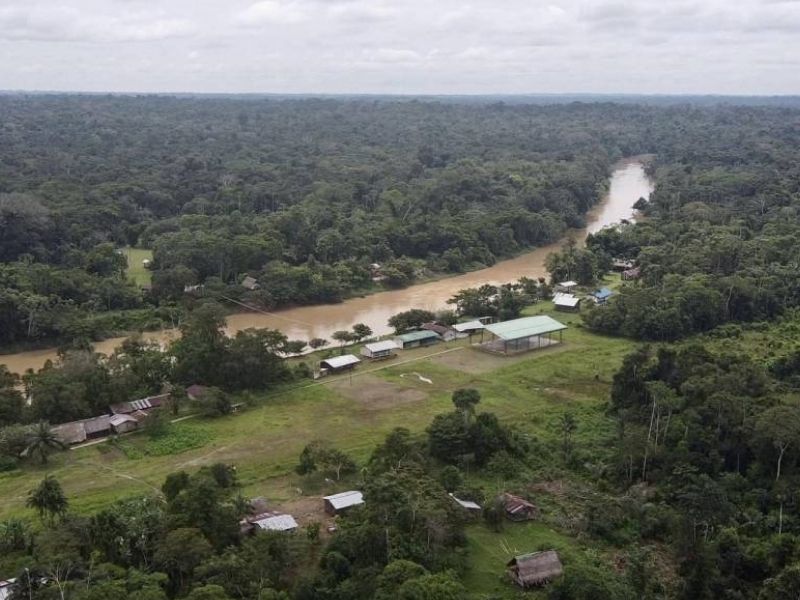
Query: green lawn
[136,270]
[355,413]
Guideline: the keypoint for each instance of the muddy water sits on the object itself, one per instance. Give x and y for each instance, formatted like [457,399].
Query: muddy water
[628,183]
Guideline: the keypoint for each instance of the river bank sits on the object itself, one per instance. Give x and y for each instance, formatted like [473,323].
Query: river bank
[627,184]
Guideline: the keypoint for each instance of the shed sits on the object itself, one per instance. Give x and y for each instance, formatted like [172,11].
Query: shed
[70,433]
[123,423]
[602,295]
[519,509]
[145,405]
[631,274]
[535,569]
[339,503]
[250,283]
[379,350]
[521,335]
[566,286]
[448,334]
[276,523]
[337,364]
[467,504]
[414,339]
[97,426]
[620,264]
[566,302]
[469,327]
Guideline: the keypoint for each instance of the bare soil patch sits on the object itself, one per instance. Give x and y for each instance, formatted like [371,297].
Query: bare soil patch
[471,360]
[374,393]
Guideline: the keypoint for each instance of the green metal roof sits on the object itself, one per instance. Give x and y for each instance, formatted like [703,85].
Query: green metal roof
[415,336]
[525,327]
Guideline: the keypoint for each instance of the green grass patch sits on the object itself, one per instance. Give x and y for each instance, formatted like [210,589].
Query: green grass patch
[136,270]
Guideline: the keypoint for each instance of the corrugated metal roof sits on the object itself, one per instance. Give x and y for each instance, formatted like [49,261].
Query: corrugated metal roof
[602,293]
[345,499]
[569,300]
[415,336]
[525,327]
[567,284]
[469,325]
[337,362]
[118,420]
[381,346]
[97,424]
[277,523]
[468,504]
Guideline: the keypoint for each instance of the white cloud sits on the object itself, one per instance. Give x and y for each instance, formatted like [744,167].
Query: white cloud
[271,12]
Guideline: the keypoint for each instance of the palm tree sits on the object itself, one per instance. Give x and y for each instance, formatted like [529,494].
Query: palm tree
[42,440]
[48,500]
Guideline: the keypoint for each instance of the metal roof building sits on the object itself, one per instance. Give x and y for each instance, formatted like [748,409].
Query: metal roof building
[338,363]
[277,523]
[383,349]
[521,335]
[417,338]
[469,327]
[341,502]
[567,302]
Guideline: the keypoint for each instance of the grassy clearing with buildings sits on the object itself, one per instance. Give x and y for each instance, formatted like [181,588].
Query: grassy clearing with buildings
[354,412]
[136,270]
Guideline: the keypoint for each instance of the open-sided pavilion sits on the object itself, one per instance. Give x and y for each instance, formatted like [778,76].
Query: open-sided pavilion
[522,335]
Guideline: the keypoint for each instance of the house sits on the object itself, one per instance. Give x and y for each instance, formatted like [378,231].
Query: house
[566,302]
[621,264]
[145,405]
[339,503]
[469,505]
[602,295]
[77,432]
[193,289]
[276,522]
[250,283]
[338,364]
[519,509]
[448,334]
[566,286]
[123,423]
[379,350]
[469,328]
[631,274]
[195,391]
[6,587]
[535,569]
[414,339]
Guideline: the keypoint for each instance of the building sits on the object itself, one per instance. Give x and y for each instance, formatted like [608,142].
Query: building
[469,505]
[338,364]
[339,503]
[469,328]
[602,295]
[448,334]
[519,509]
[379,350]
[566,302]
[522,335]
[6,587]
[123,423]
[275,522]
[535,569]
[145,405]
[631,274]
[566,286]
[81,431]
[195,391]
[621,264]
[250,283]
[415,339]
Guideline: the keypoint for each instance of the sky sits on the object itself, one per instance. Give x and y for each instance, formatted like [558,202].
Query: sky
[402,46]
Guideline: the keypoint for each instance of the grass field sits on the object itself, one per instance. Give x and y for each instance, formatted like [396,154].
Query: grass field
[354,413]
[136,270]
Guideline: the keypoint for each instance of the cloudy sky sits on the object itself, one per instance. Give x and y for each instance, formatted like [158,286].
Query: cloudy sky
[402,46]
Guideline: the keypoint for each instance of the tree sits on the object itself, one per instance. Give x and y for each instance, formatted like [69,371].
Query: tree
[180,552]
[780,426]
[213,402]
[568,425]
[361,331]
[410,319]
[434,586]
[465,400]
[48,500]
[343,337]
[208,592]
[451,478]
[41,441]
[317,343]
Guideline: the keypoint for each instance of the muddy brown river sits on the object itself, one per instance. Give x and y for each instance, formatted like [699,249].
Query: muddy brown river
[628,183]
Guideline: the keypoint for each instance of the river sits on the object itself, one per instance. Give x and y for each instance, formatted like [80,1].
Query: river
[628,183]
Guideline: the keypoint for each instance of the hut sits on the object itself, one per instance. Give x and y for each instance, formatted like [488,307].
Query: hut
[250,283]
[519,509]
[631,274]
[415,339]
[123,423]
[522,335]
[469,328]
[566,302]
[602,295]
[339,503]
[276,522]
[379,350]
[535,569]
[620,264]
[566,286]
[448,334]
[77,432]
[339,364]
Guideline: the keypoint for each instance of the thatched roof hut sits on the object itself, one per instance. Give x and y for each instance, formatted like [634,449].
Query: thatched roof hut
[536,568]
[519,509]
